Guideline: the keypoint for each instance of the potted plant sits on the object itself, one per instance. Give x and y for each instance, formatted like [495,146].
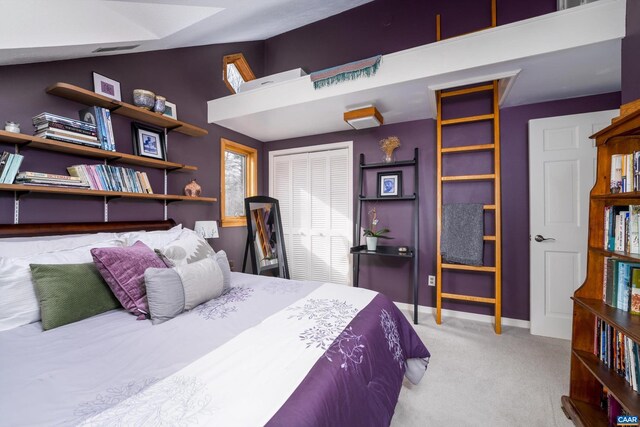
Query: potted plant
[371,234]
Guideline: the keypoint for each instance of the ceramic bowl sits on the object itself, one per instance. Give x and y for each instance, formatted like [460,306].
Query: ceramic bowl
[159,104]
[144,98]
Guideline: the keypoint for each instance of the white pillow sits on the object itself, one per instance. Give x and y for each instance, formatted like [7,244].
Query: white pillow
[26,246]
[153,239]
[186,249]
[18,302]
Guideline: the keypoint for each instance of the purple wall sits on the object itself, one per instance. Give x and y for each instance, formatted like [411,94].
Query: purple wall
[386,26]
[394,276]
[631,54]
[188,77]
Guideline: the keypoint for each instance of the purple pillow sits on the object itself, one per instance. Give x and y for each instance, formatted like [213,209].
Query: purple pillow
[123,270]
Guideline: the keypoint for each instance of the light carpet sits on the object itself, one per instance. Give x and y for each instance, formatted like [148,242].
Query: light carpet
[477,378]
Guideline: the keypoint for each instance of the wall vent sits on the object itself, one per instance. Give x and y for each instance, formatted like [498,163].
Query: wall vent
[115,48]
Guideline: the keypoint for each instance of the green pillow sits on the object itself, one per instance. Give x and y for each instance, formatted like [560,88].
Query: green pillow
[68,293]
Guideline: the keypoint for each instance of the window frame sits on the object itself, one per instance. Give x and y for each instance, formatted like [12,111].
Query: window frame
[251,179]
[241,64]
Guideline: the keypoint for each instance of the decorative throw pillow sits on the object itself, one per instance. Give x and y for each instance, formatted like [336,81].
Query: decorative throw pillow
[18,301]
[170,291]
[123,270]
[68,293]
[223,263]
[188,248]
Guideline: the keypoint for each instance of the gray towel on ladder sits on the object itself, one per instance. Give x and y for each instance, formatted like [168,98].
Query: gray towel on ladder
[462,238]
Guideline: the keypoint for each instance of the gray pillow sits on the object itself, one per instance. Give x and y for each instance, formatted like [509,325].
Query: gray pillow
[223,262]
[187,249]
[174,290]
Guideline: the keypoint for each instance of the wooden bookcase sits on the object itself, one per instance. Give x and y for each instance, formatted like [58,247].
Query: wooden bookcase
[588,374]
[90,98]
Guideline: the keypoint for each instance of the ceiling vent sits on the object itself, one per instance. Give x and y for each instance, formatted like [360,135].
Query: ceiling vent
[115,48]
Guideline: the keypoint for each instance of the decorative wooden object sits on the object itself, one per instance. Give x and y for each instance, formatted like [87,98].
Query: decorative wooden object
[495,177]
[588,374]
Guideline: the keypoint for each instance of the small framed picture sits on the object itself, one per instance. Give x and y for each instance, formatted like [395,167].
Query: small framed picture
[107,87]
[170,110]
[390,184]
[148,141]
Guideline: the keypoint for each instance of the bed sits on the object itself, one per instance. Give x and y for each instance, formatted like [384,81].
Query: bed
[267,351]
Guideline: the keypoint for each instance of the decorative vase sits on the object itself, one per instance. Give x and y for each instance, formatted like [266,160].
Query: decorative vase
[389,158]
[158,107]
[192,189]
[144,98]
[372,243]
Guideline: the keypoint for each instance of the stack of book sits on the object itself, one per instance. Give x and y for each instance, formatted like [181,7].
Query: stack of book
[625,172]
[618,352]
[101,119]
[9,165]
[112,178]
[64,129]
[50,180]
[622,228]
[621,288]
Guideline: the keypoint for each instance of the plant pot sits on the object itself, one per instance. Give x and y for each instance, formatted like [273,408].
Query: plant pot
[372,243]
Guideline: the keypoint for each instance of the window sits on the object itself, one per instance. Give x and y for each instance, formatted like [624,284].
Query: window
[235,71]
[238,180]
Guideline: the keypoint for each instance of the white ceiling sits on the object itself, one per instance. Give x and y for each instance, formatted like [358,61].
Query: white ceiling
[47,30]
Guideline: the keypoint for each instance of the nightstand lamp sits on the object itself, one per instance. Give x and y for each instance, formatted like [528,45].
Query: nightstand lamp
[207,229]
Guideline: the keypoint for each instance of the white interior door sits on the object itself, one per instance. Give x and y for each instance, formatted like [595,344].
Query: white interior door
[315,192]
[562,161]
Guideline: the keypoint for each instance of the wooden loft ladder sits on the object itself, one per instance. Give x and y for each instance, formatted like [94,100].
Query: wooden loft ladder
[495,206]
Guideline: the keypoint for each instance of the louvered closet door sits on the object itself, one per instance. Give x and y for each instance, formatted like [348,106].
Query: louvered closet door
[313,189]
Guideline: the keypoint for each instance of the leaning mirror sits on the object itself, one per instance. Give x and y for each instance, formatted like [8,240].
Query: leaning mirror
[265,244]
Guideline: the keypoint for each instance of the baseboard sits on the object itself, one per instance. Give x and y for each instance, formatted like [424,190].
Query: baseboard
[484,318]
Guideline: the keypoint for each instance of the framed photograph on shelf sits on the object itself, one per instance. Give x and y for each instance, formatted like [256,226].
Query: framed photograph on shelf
[148,141]
[170,110]
[107,87]
[390,184]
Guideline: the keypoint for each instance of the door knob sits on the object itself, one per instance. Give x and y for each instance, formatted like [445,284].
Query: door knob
[540,238]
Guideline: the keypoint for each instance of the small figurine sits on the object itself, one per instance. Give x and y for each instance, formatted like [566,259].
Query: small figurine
[192,189]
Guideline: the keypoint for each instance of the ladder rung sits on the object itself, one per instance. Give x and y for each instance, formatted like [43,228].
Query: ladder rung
[469,298]
[459,92]
[469,268]
[489,207]
[490,238]
[469,177]
[467,119]
[482,147]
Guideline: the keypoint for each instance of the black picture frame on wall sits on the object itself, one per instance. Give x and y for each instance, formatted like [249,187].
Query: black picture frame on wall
[148,141]
[389,184]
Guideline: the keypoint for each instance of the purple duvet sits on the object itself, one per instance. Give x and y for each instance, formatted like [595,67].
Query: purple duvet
[358,380]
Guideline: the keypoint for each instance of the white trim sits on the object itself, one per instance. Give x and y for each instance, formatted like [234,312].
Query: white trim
[506,321]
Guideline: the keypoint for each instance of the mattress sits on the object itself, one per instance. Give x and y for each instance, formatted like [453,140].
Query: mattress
[253,356]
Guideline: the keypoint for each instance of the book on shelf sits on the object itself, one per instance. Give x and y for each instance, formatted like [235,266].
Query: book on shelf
[101,118]
[625,172]
[622,228]
[10,167]
[617,352]
[75,123]
[618,284]
[48,179]
[111,178]
[64,129]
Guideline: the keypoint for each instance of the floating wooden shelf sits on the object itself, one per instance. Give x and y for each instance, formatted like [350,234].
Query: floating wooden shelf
[96,153]
[87,97]
[23,189]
